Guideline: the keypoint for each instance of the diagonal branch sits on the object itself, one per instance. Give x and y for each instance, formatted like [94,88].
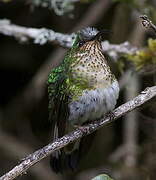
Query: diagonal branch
[38,155]
[17,149]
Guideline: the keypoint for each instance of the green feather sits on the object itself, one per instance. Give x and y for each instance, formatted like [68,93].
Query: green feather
[60,79]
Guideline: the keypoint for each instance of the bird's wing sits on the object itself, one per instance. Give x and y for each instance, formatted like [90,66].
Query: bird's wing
[58,118]
[58,107]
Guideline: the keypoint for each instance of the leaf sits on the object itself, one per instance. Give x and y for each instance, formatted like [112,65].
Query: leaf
[102,177]
[152,44]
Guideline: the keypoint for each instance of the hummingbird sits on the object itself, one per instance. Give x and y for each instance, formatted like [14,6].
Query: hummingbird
[81,89]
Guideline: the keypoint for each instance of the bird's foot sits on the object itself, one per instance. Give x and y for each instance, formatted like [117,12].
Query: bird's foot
[84,129]
[111,115]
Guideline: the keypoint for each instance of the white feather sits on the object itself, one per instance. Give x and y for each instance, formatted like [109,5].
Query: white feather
[93,104]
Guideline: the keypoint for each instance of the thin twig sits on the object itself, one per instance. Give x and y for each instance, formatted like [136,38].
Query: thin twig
[38,155]
[147,23]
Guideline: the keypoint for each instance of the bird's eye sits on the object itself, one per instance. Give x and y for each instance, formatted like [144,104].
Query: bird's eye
[81,43]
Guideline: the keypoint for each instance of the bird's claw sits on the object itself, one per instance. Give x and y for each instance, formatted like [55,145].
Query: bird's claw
[84,129]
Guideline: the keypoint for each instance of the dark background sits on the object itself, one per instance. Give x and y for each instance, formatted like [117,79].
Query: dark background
[125,149]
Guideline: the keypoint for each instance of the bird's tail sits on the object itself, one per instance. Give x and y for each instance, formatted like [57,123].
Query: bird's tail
[61,161]
[68,158]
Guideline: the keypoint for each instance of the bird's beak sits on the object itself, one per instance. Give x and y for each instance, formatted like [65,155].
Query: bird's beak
[100,35]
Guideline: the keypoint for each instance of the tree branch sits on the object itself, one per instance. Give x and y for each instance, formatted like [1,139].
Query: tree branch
[43,35]
[38,155]
[147,23]
[40,36]
[17,149]
[59,6]
[116,50]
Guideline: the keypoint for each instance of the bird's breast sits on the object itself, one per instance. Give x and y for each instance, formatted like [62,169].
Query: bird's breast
[91,68]
[93,104]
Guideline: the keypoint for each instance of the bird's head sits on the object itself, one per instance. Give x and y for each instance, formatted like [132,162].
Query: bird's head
[89,36]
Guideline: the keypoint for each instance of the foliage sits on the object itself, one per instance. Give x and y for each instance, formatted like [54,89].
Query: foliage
[142,7]
[102,177]
[145,56]
[60,7]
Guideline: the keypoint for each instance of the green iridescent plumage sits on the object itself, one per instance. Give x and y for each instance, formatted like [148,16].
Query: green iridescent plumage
[62,76]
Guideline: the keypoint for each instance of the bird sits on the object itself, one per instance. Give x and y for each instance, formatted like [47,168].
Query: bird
[81,89]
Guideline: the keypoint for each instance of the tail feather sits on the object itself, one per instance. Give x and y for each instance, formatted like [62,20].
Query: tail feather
[64,161]
[73,159]
[55,164]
